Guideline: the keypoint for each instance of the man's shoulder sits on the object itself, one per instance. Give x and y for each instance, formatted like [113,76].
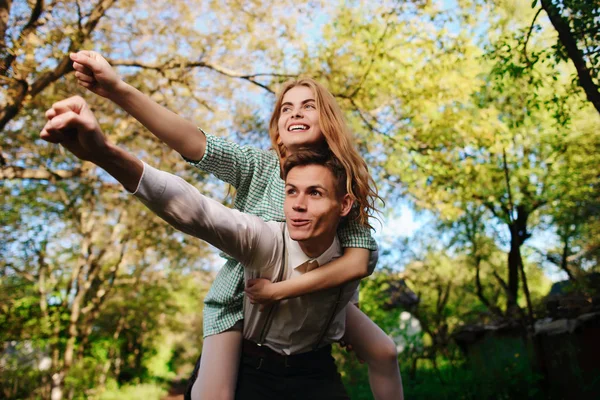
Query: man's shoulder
[274,226]
[268,244]
[260,226]
[265,231]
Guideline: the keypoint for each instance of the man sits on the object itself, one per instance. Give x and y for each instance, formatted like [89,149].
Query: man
[286,350]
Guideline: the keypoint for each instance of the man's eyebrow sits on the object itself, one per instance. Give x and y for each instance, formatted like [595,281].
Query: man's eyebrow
[311,187]
[289,103]
[318,187]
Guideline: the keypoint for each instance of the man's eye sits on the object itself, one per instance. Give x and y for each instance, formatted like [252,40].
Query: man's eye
[290,191]
[315,193]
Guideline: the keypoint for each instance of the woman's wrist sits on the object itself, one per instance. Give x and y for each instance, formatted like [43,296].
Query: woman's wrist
[120,92]
[278,291]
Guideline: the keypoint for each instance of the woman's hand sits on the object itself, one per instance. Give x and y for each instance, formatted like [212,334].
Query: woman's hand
[260,291]
[94,73]
[348,348]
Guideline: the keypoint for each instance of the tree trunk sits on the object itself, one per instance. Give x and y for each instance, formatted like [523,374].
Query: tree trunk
[526,291]
[564,262]
[518,236]
[514,256]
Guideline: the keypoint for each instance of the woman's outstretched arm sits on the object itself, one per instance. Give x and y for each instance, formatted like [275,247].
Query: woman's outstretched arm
[95,74]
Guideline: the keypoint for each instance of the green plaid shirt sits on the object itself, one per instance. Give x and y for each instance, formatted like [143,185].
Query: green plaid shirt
[255,174]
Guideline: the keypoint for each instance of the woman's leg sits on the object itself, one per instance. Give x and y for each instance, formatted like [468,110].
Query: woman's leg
[372,345]
[219,365]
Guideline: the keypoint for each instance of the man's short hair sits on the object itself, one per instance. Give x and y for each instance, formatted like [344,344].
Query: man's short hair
[321,156]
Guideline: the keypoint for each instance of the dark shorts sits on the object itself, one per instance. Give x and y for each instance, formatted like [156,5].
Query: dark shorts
[265,375]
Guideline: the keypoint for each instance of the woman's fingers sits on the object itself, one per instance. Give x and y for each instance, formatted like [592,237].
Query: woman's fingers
[81,77]
[82,68]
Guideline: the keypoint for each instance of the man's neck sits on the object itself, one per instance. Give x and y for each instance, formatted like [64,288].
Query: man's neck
[315,247]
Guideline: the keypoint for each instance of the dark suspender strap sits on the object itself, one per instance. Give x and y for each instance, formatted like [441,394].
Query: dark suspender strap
[279,278]
[329,319]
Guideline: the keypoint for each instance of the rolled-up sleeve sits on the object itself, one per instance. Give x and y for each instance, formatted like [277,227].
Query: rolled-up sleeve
[231,162]
[353,234]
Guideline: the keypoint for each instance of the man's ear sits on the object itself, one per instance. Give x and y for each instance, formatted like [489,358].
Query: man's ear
[347,204]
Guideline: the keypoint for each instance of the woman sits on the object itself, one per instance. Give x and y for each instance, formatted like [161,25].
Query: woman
[305,115]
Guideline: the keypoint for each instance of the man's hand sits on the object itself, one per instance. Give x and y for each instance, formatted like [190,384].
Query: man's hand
[72,124]
[93,72]
[260,291]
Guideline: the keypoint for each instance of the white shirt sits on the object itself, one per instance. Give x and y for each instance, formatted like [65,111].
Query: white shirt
[297,324]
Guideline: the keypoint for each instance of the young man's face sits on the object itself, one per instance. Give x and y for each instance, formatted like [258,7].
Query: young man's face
[313,207]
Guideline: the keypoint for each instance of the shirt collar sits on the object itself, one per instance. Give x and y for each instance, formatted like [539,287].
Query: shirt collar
[297,257]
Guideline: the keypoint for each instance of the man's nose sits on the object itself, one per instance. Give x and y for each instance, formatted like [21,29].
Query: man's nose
[300,203]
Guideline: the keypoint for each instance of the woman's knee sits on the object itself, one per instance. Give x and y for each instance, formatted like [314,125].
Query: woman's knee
[386,351]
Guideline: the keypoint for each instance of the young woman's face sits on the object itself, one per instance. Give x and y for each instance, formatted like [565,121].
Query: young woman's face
[299,119]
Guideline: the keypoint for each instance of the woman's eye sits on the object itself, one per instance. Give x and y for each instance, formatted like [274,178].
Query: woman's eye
[310,106]
[285,109]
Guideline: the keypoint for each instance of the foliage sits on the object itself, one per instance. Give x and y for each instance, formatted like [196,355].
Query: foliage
[506,372]
[512,380]
[467,112]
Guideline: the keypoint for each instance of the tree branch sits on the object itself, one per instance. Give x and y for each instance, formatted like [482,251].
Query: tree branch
[501,282]
[64,66]
[480,294]
[173,64]
[371,62]
[5,6]
[29,277]
[529,35]
[508,191]
[44,174]
[568,41]
[29,27]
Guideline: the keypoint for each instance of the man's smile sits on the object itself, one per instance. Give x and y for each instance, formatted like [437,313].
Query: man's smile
[299,222]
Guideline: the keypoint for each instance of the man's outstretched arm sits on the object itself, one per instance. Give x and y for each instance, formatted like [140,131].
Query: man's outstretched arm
[246,238]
